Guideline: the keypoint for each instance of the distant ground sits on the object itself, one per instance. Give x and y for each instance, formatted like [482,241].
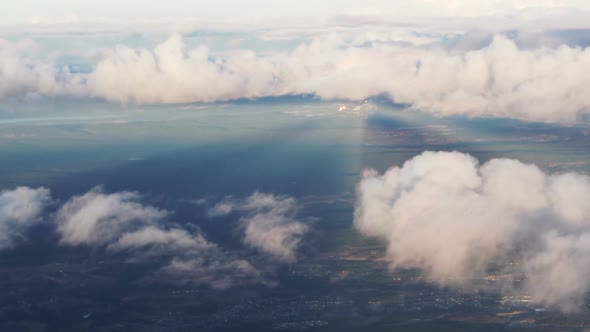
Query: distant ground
[310,150]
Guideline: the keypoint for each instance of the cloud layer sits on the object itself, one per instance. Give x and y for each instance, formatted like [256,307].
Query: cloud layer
[500,79]
[272,227]
[457,220]
[96,218]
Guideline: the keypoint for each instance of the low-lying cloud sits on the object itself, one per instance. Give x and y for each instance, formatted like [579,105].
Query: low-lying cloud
[162,240]
[120,223]
[20,209]
[458,220]
[500,79]
[272,226]
[219,274]
[96,218]
[269,223]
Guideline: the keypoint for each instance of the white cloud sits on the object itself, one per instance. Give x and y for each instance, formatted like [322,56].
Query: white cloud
[162,240]
[19,75]
[96,218]
[221,209]
[269,223]
[272,226]
[501,79]
[558,275]
[446,214]
[20,209]
[120,223]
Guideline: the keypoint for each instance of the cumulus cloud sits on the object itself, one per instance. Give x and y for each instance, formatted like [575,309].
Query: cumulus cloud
[22,73]
[269,223]
[96,218]
[456,220]
[272,226]
[20,209]
[120,223]
[500,79]
[18,77]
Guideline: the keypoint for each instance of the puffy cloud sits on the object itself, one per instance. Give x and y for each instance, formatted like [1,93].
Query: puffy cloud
[96,218]
[173,74]
[269,223]
[500,79]
[120,223]
[22,73]
[272,227]
[20,209]
[17,76]
[455,219]
[558,275]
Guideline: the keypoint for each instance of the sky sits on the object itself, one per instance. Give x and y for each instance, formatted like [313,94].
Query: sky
[222,10]
[35,10]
